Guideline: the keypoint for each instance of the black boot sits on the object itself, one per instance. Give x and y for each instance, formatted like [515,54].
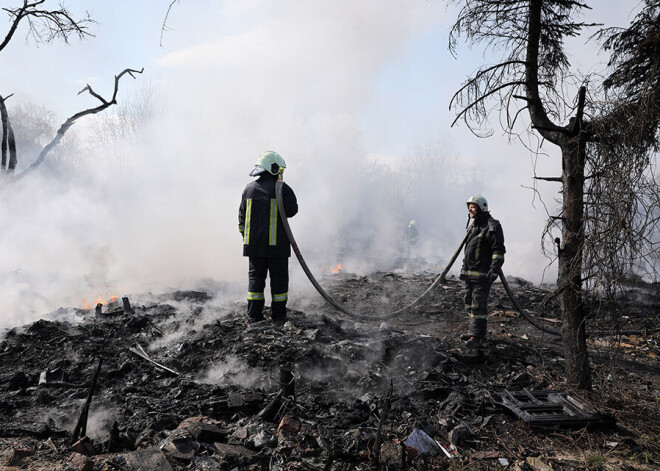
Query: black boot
[255,311]
[278,312]
[474,342]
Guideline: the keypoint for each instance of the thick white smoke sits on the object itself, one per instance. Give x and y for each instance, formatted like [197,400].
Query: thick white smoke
[155,205]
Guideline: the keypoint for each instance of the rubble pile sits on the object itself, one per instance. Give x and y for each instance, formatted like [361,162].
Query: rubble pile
[183,382]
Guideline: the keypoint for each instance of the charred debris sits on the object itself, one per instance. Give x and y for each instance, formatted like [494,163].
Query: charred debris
[182,382]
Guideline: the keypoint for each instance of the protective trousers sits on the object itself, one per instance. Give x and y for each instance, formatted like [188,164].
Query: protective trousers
[476,304]
[278,268]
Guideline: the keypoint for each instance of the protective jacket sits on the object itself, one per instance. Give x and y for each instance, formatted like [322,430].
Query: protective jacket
[412,234]
[259,221]
[484,248]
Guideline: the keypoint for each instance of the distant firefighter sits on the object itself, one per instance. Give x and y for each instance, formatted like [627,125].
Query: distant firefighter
[264,240]
[484,256]
[412,233]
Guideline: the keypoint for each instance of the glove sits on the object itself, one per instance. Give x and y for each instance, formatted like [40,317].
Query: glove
[492,275]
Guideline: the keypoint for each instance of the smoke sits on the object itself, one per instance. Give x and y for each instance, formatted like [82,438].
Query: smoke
[148,199]
[99,422]
[233,371]
[190,317]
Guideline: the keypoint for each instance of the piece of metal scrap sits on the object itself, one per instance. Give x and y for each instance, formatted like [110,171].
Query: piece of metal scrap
[551,408]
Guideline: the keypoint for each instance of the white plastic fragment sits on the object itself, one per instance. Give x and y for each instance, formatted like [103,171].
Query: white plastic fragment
[421,441]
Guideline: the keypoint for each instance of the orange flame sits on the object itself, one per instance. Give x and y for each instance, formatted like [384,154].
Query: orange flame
[334,270]
[100,300]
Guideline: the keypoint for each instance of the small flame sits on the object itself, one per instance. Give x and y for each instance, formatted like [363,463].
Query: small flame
[100,300]
[334,270]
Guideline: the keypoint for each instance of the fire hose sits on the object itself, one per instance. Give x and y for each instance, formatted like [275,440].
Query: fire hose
[439,279]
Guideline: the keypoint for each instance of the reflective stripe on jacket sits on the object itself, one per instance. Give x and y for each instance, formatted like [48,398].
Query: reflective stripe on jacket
[484,248]
[259,220]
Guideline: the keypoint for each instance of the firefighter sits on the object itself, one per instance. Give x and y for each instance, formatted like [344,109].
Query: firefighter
[484,256]
[412,233]
[410,248]
[264,240]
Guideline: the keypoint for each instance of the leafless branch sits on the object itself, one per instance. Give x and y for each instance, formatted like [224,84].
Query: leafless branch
[482,98]
[46,25]
[70,121]
[167,15]
[549,179]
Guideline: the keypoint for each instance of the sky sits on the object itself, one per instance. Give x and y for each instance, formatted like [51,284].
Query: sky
[353,94]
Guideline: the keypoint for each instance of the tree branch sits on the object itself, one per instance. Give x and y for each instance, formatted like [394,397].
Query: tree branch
[482,98]
[69,122]
[549,179]
[167,15]
[46,25]
[480,74]
[537,112]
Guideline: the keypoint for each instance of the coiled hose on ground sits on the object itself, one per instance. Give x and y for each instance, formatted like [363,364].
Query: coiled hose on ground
[363,317]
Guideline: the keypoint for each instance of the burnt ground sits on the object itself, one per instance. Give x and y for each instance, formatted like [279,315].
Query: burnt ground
[229,407]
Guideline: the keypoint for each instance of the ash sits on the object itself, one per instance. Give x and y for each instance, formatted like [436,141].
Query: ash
[187,384]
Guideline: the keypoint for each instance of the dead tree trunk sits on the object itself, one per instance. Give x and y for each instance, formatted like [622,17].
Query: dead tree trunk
[8,139]
[569,277]
[571,140]
[5,125]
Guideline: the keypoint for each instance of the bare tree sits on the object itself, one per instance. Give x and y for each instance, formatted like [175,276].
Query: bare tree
[34,126]
[70,121]
[609,213]
[8,139]
[45,26]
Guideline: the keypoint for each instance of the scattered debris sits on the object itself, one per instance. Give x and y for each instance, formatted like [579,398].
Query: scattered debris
[449,450]
[316,393]
[126,305]
[536,464]
[139,351]
[80,462]
[84,446]
[421,444]
[551,408]
[149,459]
[81,426]
[485,455]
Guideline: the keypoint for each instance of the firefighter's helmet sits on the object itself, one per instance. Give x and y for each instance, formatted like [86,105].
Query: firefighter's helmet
[479,201]
[412,223]
[270,162]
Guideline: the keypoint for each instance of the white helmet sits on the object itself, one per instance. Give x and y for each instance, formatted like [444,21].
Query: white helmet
[479,201]
[270,162]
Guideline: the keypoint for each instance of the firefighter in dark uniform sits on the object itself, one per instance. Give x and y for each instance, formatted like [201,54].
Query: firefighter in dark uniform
[412,233]
[484,256]
[264,240]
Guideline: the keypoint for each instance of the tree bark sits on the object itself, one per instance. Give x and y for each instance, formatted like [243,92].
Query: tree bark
[571,140]
[5,131]
[11,141]
[578,372]
[537,112]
